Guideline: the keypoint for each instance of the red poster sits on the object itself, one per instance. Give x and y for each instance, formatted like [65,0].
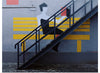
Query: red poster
[12,2]
[63,13]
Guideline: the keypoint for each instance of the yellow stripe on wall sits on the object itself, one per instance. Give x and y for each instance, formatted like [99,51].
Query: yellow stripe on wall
[31,29]
[76,19]
[35,22]
[25,22]
[35,18]
[67,22]
[77,37]
[82,30]
[25,26]
[25,18]
[23,29]
[61,26]
[51,37]
[84,26]
[86,23]
[78,45]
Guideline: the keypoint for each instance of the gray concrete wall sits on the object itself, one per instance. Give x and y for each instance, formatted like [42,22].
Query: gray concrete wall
[11,11]
[21,10]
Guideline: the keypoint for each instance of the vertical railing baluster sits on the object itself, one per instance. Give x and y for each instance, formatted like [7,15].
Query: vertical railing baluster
[91,5]
[70,17]
[39,41]
[24,53]
[85,8]
[54,26]
[17,55]
[36,43]
[73,12]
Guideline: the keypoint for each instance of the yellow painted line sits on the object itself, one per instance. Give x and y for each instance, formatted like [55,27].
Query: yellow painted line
[26,29]
[35,18]
[25,26]
[24,18]
[25,22]
[68,19]
[82,30]
[86,23]
[51,37]
[84,26]
[20,36]
[61,26]
[67,22]
[77,37]
[78,45]
[35,22]
[23,48]
[22,29]
[31,29]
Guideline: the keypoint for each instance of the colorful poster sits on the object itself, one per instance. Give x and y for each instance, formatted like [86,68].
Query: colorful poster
[12,2]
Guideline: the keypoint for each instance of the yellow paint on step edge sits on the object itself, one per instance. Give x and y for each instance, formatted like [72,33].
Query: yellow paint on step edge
[78,45]
[23,47]
[51,37]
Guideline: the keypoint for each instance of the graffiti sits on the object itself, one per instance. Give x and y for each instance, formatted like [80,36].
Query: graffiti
[43,18]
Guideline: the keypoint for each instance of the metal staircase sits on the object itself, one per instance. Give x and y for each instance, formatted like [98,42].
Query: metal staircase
[35,47]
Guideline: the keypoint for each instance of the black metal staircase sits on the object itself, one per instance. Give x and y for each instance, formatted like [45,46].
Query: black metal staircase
[36,33]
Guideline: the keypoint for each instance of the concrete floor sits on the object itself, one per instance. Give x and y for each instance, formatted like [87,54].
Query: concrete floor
[11,67]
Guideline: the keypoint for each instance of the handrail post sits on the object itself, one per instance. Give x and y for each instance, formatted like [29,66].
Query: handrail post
[54,26]
[17,55]
[38,39]
[23,51]
[73,12]
[91,5]
[70,18]
[85,8]
[36,42]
